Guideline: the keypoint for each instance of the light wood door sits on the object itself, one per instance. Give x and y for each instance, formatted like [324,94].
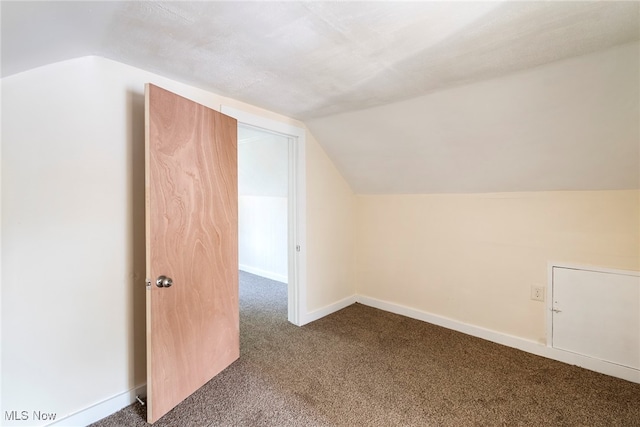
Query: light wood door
[192,238]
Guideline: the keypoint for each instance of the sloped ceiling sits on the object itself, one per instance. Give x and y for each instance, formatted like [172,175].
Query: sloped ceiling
[328,62]
[570,125]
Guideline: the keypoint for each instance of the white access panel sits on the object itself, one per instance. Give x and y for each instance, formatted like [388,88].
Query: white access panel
[597,314]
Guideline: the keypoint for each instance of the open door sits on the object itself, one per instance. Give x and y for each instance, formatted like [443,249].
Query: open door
[192,247]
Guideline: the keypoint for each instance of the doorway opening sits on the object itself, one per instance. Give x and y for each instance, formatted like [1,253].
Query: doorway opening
[263,187]
[274,183]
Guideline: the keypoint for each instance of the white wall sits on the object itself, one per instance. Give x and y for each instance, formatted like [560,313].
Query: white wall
[72,237]
[262,231]
[73,233]
[331,239]
[473,258]
[263,166]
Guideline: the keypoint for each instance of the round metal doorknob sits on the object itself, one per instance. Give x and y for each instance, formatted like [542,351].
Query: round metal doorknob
[164,282]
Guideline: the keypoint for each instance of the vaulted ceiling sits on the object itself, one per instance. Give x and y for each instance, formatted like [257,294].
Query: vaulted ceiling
[353,71]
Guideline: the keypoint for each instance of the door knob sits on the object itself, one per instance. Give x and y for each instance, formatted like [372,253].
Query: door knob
[164,282]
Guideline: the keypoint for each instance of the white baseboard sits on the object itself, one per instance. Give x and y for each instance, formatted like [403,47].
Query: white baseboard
[326,310]
[101,409]
[115,403]
[264,273]
[523,344]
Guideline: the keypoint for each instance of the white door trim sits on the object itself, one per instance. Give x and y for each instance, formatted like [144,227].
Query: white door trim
[297,287]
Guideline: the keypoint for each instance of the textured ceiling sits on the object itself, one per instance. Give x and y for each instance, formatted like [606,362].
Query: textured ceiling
[312,59]
[406,97]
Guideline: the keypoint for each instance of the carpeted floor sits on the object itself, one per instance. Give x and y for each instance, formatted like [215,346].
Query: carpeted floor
[365,367]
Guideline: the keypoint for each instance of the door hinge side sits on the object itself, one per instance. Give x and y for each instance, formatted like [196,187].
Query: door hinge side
[141,400]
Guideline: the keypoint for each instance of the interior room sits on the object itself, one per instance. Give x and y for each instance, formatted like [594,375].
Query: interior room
[263,186]
[443,175]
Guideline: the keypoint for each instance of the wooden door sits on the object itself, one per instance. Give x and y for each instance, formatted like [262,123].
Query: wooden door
[192,238]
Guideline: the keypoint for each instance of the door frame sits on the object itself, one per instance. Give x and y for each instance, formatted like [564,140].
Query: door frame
[296,211]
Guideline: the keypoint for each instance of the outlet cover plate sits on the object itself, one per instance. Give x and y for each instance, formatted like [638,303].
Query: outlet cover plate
[537,293]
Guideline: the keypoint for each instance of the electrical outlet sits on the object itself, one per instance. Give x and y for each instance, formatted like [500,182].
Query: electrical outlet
[537,293]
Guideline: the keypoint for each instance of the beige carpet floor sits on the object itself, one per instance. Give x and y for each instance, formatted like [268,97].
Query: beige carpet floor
[365,367]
